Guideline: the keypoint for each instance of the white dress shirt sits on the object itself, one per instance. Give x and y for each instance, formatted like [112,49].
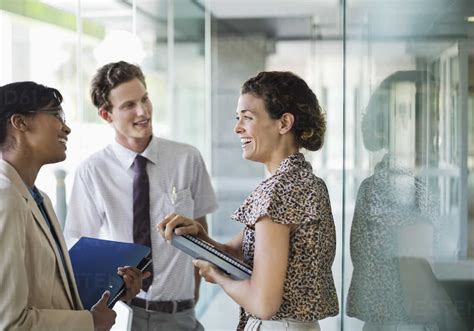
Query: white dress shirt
[101,205]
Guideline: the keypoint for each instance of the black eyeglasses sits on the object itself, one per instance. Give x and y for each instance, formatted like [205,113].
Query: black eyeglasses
[57,112]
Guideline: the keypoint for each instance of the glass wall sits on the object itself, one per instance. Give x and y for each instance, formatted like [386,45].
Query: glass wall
[396,79]
[406,223]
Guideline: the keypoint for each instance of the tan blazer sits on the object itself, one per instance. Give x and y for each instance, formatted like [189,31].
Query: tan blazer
[34,290]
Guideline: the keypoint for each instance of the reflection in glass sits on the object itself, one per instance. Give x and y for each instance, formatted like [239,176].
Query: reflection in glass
[396,221]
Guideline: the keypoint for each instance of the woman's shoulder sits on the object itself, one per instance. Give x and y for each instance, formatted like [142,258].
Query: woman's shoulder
[297,183]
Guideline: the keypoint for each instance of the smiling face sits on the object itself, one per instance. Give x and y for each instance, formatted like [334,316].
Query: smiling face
[130,115]
[260,135]
[47,137]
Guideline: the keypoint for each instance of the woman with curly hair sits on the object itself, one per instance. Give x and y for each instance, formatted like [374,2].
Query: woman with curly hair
[289,235]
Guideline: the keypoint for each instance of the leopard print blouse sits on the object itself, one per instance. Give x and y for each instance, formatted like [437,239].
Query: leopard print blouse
[294,195]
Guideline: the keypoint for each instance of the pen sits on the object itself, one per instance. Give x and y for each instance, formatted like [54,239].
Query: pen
[173,195]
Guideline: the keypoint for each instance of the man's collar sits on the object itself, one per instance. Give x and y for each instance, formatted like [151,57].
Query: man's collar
[126,156]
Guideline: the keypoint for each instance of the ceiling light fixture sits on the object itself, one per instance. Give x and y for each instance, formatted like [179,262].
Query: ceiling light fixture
[470,19]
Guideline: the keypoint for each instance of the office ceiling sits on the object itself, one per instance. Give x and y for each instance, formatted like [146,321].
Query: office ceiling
[294,19]
[322,19]
[376,18]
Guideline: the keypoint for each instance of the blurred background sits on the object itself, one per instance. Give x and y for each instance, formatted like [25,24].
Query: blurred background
[396,78]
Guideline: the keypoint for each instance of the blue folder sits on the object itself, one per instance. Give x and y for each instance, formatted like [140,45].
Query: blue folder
[95,263]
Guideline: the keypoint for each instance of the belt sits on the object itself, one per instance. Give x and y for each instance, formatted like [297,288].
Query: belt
[169,307]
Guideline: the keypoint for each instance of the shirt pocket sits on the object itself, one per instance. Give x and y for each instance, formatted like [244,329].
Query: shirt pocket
[182,203]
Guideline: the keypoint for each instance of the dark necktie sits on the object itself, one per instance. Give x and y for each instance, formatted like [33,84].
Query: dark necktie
[141,210]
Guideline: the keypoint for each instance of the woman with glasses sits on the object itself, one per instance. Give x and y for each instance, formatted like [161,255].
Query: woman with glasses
[37,286]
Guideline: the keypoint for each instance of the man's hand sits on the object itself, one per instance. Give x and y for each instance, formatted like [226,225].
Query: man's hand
[133,281]
[103,316]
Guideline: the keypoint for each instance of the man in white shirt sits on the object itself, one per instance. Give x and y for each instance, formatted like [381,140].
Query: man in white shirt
[104,195]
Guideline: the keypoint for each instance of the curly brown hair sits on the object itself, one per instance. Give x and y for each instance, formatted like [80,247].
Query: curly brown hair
[110,76]
[284,92]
